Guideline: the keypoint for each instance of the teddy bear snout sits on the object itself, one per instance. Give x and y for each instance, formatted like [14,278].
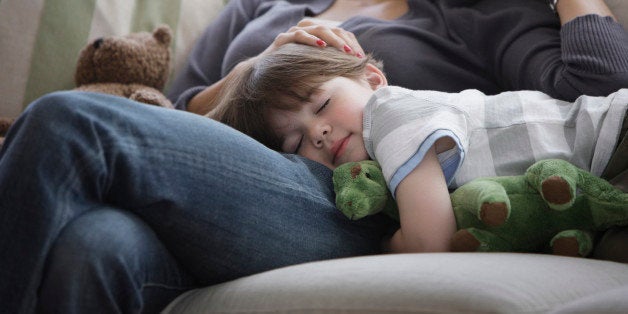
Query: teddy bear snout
[98,42]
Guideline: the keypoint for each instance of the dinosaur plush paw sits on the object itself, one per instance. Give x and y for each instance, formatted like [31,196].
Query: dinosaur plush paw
[576,243]
[556,180]
[484,200]
[477,240]
[557,192]
[464,241]
[494,214]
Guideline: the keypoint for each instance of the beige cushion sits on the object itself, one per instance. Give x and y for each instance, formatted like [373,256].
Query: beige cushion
[420,283]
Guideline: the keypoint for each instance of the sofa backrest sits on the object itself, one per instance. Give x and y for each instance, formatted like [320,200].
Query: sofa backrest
[40,39]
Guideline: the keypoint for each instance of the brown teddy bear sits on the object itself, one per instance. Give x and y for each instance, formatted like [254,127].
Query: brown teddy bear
[135,66]
[5,123]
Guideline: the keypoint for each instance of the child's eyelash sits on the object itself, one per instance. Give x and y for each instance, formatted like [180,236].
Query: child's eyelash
[323,106]
[296,150]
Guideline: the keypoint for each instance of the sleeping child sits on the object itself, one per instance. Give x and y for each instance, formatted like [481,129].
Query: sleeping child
[335,108]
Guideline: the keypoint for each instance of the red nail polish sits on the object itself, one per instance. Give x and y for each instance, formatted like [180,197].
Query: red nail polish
[321,43]
[347,48]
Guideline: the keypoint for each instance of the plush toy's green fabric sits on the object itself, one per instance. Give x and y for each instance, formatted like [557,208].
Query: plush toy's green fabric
[361,190]
[554,207]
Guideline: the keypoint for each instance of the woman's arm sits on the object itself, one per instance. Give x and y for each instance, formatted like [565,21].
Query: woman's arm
[525,47]
[571,9]
[425,210]
[205,101]
[205,61]
[307,32]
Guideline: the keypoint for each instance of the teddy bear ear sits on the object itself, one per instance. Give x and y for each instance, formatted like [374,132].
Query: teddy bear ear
[163,34]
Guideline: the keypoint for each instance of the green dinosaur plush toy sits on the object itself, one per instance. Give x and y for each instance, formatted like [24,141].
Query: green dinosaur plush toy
[555,207]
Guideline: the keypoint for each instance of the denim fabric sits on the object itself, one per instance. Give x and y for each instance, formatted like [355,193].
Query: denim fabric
[109,261]
[76,165]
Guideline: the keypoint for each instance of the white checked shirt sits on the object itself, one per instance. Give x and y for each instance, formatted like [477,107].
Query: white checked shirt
[495,135]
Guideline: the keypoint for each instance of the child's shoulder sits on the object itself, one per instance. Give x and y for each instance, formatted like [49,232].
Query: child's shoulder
[397,97]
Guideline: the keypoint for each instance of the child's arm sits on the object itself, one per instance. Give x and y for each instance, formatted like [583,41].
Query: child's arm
[425,210]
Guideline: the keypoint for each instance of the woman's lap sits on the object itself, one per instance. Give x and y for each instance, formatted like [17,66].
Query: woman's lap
[110,261]
[221,203]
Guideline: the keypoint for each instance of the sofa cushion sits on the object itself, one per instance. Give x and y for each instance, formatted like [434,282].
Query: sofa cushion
[419,283]
[609,301]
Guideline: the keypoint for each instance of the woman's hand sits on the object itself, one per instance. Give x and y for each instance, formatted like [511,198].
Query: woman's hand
[308,32]
[318,34]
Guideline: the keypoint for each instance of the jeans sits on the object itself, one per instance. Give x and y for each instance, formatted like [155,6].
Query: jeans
[109,261]
[108,205]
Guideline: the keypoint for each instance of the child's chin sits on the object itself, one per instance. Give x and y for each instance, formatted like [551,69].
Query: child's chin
[353,158]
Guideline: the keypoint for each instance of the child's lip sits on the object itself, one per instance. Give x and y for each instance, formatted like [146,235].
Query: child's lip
[338,148]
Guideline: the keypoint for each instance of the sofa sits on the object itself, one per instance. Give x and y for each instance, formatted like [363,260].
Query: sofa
[39,43]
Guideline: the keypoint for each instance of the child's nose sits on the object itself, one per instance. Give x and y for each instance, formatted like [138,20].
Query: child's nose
[319,134]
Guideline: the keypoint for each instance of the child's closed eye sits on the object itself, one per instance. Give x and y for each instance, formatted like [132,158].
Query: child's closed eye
[296,150]
[323,106]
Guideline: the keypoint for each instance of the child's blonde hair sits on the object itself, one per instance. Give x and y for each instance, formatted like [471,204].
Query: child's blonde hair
[283,79]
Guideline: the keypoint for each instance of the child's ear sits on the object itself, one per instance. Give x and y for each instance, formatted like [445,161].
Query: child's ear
[375,77]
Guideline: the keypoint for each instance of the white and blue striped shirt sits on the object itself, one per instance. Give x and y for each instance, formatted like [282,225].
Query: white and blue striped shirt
[495,135]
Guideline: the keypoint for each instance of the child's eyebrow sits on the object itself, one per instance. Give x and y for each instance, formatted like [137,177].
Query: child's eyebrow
[304,93]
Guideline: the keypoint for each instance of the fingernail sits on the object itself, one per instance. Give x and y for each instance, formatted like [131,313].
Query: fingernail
[321,43]
[347,48]
[359,55]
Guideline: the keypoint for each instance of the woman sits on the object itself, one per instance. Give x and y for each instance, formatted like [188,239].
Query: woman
[446,45]
[121,207]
